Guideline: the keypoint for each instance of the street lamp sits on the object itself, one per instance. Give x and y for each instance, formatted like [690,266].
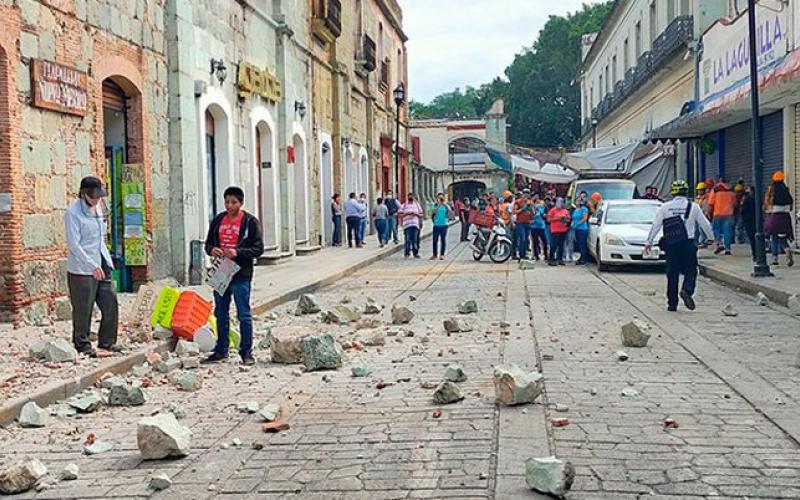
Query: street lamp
[399,97]
[594,132]
[761,268]
[452,149]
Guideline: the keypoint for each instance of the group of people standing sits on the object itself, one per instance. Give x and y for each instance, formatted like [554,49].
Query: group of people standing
[732,213]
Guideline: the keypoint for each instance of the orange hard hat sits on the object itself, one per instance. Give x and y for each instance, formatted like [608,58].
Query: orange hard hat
[778,176]
[738,188]
[507,195]
[596,196]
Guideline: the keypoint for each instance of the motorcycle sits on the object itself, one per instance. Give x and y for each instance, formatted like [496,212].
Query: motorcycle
[494,242]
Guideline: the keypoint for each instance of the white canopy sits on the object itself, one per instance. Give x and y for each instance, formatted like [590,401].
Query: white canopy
[549,172]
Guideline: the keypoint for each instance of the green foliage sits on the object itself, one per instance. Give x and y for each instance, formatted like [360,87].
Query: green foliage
[542,91]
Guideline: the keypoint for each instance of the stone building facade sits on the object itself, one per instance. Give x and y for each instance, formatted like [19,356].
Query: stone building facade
[82,87]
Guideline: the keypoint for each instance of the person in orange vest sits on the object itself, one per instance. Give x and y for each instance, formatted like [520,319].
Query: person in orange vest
[595,202]
[723,210]
[505,207]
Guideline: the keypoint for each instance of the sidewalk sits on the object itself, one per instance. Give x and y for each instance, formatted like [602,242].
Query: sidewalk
[735,270]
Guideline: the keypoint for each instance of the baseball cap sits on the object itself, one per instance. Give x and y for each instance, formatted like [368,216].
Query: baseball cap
[93,187]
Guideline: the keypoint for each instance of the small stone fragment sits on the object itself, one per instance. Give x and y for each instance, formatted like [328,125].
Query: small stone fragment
[649,293]
[762,299]
[549,475]
[455,373]
[526,265]
[160,482]
[177,410]
[468,307]
[187,348]
[437,413]
[285,344]
[236,442]
[21,476]
[505,324]
[54,351]
[140,371]
[635,334]
[457,325]
[428,384]
[629,392]
[670,423]
[372,306]
[192,363]
[110,381]
[345,300]
[269,412]
[622,355]
[561,408]
[98,447]
[360,371]
[307,305]
[70,472]
[374,338]
[187,380]
[86,404]
[401,315]
[559,422]
[321,352]
[162,436]
[167,365]
[249,407]
[32,415]
[126,395]
[341,315]
[514,386]
[276,426]
[447,393]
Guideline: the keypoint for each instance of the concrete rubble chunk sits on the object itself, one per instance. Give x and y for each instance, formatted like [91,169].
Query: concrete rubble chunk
[70,472]
[455,373]
[622,355]
[401,315]
[285,344]
[32,415]
[190,363]
[636,333]
[110,381]
[86,404]
[126,395]
[307,304]
[159,482]
[21,476]
[447,393]
[360,371]
[269,413]
[98,447]
[373,338]
[527,265]
[372,306]
[54,351]
[730,311]
[321,352]
[468,307]
[187,348]
[515,386]
[762,299]
[140,371]
[168,365]
[629,392]
[186,380]
[249,407]
[549,475]
[793,303]
[341,315]
[162,436]
[456,325]
[177,410]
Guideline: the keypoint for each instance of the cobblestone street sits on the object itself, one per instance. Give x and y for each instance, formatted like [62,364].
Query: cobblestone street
[730,384]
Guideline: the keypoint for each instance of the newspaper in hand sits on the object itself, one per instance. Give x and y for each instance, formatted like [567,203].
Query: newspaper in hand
[220,274]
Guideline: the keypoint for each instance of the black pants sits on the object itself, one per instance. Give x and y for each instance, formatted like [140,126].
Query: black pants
[464,225]
[751,237]
[353,223]
[439,240]
[539,241]
[557,248]
[84,293]
[681,259]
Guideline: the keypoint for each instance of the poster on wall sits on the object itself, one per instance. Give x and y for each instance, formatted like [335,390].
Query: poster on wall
[133,210]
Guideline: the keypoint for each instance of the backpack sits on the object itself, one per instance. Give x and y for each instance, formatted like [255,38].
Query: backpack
[674,229]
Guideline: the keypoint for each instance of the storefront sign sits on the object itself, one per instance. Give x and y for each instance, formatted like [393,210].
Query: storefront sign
[59,88]
[726,54]
[263,82]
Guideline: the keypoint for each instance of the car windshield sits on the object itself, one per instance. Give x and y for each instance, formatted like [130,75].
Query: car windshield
[608,190]
[631,214]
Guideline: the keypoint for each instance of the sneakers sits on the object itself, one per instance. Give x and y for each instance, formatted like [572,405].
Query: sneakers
[214,358]
[248,360]
[112,348]
[687,300]
[433,257]
[728,252]
[672,309]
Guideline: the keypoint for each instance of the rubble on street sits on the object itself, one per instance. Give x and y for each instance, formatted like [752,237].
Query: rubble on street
[549,475]
[515,386]
[635,333]
[162,436]
[21,476]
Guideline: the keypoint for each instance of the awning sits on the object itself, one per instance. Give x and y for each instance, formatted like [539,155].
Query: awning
[549,172]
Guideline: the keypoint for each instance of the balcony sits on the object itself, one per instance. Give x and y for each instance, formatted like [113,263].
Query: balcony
[672,41]
[368,58]
[327,20]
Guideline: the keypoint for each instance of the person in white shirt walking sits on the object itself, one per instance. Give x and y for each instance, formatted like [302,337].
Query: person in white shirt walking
[680,219]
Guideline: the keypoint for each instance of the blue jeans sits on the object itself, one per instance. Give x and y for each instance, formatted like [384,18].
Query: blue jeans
[362,230]
[778,245]
[381,227]
[240,290]
[723,231]
[411,241]
[391,229]
[337,230]
[569,244]
[439,235]
[523,234]
[582,238]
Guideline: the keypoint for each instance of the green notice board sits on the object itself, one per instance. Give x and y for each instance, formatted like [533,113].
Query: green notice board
[133,211]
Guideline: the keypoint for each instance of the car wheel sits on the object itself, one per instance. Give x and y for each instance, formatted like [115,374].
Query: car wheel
[600,266]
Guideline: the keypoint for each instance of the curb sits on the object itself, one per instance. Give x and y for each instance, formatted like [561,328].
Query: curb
[63,389]
[775,295]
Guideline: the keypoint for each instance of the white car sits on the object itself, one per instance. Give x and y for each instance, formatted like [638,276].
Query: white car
[618,232]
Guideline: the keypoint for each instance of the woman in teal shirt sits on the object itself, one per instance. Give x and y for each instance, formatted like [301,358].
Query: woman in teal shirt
[440,216]
[580,223]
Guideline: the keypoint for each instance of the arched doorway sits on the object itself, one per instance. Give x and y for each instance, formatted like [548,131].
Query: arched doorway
[363,174]
[300,188]
[471,189]
[125,177]
[217,169]
[350,184]
[265,183]
[326,191]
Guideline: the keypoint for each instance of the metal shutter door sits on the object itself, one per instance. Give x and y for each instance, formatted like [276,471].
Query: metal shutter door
[772,127]
[738,153]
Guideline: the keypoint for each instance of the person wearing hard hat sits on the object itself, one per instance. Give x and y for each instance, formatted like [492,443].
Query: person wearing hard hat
[595,202]
[778,226]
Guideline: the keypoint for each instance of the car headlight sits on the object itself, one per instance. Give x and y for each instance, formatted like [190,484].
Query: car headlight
[614,240]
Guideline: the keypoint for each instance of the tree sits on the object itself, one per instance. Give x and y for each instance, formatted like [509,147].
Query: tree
[471,103]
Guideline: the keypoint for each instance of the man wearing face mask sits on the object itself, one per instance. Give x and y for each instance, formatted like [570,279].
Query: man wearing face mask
[559,218]
[89,267]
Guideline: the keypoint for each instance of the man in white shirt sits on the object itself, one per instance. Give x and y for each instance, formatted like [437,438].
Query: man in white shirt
[680,247]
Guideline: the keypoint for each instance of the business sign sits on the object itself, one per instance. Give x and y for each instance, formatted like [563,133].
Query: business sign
[263,82]
[59,88]
[726,52]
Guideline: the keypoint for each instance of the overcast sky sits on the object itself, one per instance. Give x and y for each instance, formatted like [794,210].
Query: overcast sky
[455,43]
